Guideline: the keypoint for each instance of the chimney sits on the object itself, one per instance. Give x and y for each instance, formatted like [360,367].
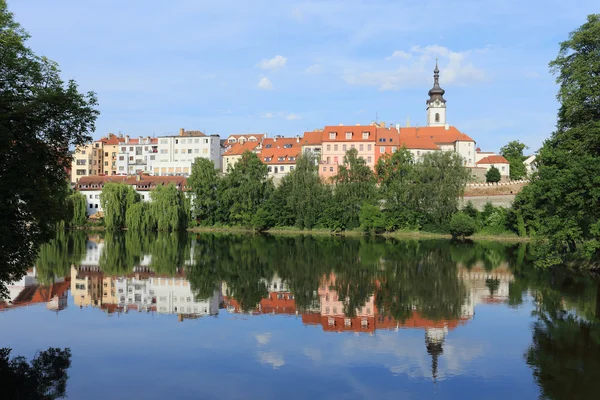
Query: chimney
[138,177]
[341,124]
[398,127]
[382,124]
[126,138]
[357,124]
[297,139]
[447,126]
[391,125]
[181,131]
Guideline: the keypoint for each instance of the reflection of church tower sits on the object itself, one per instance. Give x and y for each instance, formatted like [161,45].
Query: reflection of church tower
[436,105]
[434,341]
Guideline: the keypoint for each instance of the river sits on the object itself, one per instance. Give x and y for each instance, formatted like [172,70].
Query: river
[203,316]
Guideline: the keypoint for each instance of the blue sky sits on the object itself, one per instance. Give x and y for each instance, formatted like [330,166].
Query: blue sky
[283,67]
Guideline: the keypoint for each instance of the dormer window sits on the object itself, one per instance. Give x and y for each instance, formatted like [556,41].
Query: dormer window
[268,146]
[281,158]
[332,135]
[348,135]
[287,146]
[292,158]
[365,135]
[268,159]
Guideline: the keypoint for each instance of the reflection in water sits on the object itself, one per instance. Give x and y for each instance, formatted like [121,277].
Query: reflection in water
[360,286]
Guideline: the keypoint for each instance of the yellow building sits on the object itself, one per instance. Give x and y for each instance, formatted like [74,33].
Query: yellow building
[109,156]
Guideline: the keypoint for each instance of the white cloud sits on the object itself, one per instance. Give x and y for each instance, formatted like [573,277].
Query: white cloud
[273,64]
[415,69]
[313,354]
[271,358]
[268,115]
[400,54]
[265,84]
[291,117]
[314,69]
[263,338]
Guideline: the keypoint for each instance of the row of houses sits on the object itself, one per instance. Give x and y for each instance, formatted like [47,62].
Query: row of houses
[173,155]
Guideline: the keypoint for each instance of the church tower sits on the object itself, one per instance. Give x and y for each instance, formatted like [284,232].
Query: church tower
[436,105]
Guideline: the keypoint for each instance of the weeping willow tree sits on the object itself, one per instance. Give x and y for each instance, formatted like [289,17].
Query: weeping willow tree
[116,198]
[78,205]
[169,208]
[140,217]
[170,252]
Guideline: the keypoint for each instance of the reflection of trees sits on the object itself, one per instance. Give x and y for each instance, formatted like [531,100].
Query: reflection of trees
[55,258]
[420,275]
[45,377]
[169,251]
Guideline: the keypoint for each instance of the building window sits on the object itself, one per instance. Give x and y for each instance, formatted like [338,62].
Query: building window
[190,151]
[369,160]
[361,147]
[437,117]
[418,152]
[121,158]
[282,168]
[324,169]
[328,147]
[291,167]
[130,158]
[335,147]
[204,151]
[189,140]
[269,169]
[176,141]
[365,135]
[348,135]
[394,149]
[91,206]
[152,158]
[330,169]
[335,160]
[382,149]
[164,151]
[369,147]
[332,135]
[162,141]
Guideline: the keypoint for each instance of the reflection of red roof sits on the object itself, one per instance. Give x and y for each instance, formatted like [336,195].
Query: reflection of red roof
[493,160]
[311,318]
[38,294]
[271,305]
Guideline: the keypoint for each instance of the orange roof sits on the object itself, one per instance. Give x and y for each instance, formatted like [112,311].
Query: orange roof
[239,148]
[390,137]
[280,151]
[493,160]
[191,133]
[438,134]
[112,139]
[312,138]
[145,182]
[356,131]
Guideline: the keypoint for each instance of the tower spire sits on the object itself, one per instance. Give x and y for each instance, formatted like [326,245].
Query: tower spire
[436,104]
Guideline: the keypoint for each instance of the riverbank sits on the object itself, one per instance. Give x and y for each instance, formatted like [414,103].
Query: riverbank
[288,231]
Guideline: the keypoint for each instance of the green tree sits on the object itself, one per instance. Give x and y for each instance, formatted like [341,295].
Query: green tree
[244,190]
[115,199]
[41,117]
[513,152]
[462,225]
[204,182]
[78,209]
[140,216]
[440,181]
[306,192]
[396,175]
[371,218]
[169,208]
[354,185]
[563,200]
[45,377]
[493,175]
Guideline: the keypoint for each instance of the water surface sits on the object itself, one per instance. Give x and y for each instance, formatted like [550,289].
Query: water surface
[235,317]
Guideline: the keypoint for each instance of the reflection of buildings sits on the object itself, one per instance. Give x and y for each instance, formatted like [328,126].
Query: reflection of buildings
[279,300]
[28,291]
[174,296]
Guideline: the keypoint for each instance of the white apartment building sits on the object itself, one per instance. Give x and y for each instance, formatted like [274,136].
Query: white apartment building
[136,155]
[176,154]
[174,296]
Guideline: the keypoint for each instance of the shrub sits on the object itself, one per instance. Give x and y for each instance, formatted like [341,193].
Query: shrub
[371,219]
[462,225]
[493,175]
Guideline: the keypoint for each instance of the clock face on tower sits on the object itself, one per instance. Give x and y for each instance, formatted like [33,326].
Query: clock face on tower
[437,103]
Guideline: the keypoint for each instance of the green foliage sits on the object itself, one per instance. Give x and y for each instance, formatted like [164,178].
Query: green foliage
[260,220]
[244,189]
[372,219]
[471,211]
[562,201]
[169,208]
[462,225]
[45,377]
[41,117]
[440,181]
[78,209]
[140,217]
[204,182]
[115,199]
[354,185]
[493,175]
[513,152]
[306,194]
[56,257]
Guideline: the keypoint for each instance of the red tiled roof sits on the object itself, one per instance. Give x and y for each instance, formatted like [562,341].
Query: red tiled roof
[438,134]
[493,160]
[392,138]
[275,149]
[112,139]
[191,133]
[356,131]
[145,182]
[239,148]
[312,138]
